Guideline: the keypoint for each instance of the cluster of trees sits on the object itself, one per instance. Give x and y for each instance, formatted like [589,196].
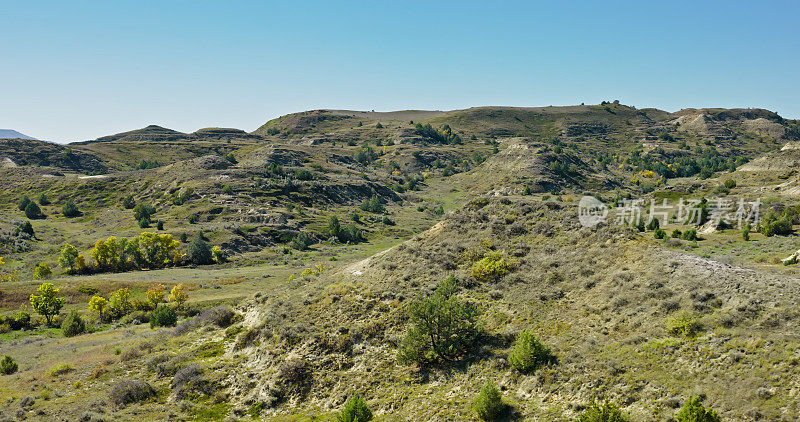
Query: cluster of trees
[147,251]
[33,211]
[30,208]
[444,135]
[670,166]
[349,234]
[373,205]
[120,303]
[142,213]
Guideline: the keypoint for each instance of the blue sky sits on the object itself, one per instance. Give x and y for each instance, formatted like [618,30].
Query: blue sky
[72,71]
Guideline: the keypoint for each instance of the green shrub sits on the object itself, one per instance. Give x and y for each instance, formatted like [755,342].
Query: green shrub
[746,232]
[144,222]
[693,411]
[303,174]
[163,316]
[492,266]
[43,199]
[130,391]
[373,205]
[70,209]
[605,412]
[684,324]
[302,241]
[676,234]
[775,223]
[23,203]
[659,233]
[160,225]
[8,366]
[489,404]
[25,228]
[355,410]
[199,251]
[442,326]
[653,224]
[729,184]
[143,210]
[528,353]
[42,271]
[128,202]
[226,189]
[32,211]
[690,234]
[73,325]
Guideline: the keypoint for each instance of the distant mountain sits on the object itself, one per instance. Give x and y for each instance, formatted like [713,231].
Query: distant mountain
[13,134]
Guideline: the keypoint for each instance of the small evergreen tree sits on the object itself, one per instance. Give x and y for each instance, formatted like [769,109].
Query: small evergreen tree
[32,211]
[199,250]
[23,203]
[489,404]
[605,412]
[528,353]
[8,366]
[70,209]
[25,229]
[693,411]
[443,327]
[73,325]
[43,199]
[163,316]
[355,410]
[128,203]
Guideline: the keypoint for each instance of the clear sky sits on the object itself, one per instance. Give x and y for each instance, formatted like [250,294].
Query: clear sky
[72,71]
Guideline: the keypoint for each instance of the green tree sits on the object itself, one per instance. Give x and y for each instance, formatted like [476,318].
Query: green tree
[70,209]
[8,366]
[199,250]
[693,411]
[47,303]
[43,199]
[23,203]
[68,258]
[32,211]
[489,404]
[163,316]
[528,353]
[119,304]
[25,228]
[128,202]
[98,305]
[442,326]
[73,325]
[143,210]
[355,410]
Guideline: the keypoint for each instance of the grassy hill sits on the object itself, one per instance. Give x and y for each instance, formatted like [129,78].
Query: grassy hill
[306,311]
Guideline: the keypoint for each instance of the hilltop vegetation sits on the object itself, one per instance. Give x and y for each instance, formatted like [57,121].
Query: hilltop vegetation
[347,265]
